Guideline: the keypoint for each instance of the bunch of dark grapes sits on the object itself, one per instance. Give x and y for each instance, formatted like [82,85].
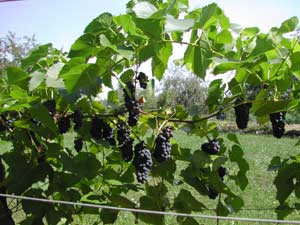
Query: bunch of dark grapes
[142,161]
[51,106]
[2,124]
[125,141]
[212,147]
[96,128]
[162,151]
[212,193]
[78,143]
[143,80]
[129,95]
[133,107]
[242,114]
[100,129]
[108,134]
[42,154]
[278,123]
[64,124]
[222,172]
[77,119]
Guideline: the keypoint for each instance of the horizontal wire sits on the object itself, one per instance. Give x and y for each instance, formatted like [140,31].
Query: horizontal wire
[149,211]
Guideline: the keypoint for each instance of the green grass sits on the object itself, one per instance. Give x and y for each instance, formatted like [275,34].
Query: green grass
[260,193]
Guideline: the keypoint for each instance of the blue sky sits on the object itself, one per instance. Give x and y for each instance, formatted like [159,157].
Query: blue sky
[62,21]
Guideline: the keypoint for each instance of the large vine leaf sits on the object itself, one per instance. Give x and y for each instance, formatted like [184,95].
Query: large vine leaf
[197,57]
[236,155]
[160,59]
[80,76]
[35,55]
[288,25]
[17,76]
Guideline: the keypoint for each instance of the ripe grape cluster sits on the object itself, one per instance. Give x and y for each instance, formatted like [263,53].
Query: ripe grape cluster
[132,105]
[108,134]
[278,123]
[101,130]
[143,80]
[51,106]
[212,147]
[63,123]
[242,114]
[77,119]
[222,172]
[125,141]
[162,151]
[78,143]
[212,193]
[2,125]
[142,161]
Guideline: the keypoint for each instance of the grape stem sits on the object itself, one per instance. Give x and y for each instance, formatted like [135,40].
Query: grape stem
[206,117]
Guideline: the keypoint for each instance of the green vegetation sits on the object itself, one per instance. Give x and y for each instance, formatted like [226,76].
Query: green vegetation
[58,141]
[259,196]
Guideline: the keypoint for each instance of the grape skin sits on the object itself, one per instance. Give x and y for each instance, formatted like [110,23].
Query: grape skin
[212,147]
[142,162]
[278,123]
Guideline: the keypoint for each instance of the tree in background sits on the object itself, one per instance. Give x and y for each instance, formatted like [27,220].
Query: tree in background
[13,49]
[180,87]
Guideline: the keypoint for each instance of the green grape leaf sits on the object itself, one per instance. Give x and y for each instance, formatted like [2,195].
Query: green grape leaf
[160,59]
[215,92]
[127,23]
[84,46]
[52,76]
[236,155]
[200,159]
[165,170]
[108,216]
[178,25]
[225,67]
[127,76]
[6,146]
[224,37]
[234,203]
[263,45]
[264,108]
[222,210]
[41,113]
[288,25]
[283,211]
[121,201]
[100,24]
[17,76]
[35,55]
[295,58]
[207,15]
[187,221]
[185,202]
[148,203]
[197,57]
[151,27]
[233,138]
[112,96]
[82,75]
[189,177]
[284,181]
[144,9]
[36,80]
[250,31]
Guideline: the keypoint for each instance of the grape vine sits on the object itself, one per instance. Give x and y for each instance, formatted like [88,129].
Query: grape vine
[59,141]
